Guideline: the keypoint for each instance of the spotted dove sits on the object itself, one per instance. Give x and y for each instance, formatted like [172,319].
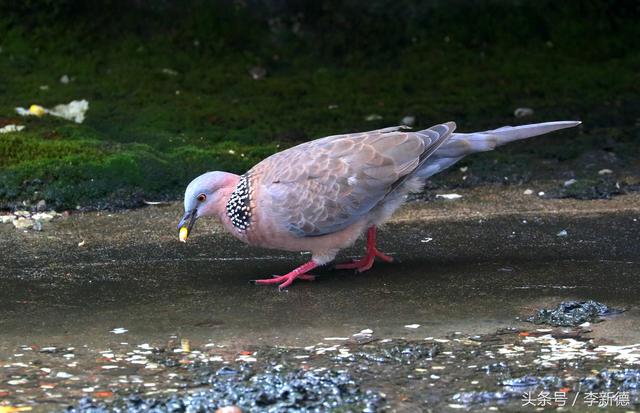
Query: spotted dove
[322,195]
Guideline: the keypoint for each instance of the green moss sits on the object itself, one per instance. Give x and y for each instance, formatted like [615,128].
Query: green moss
[148,131]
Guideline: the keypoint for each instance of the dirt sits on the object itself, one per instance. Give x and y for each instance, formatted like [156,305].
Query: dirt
[447,322]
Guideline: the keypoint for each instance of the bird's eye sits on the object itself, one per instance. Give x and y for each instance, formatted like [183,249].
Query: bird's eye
[202,197]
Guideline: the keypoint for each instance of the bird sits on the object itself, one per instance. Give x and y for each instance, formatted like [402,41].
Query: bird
[321,196]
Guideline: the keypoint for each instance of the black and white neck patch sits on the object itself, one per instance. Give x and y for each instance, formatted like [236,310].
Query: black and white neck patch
[239,207]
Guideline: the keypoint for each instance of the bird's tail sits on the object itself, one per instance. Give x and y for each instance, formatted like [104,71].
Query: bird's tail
[463,144]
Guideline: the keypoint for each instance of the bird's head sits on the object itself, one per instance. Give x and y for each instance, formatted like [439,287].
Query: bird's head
[205,196]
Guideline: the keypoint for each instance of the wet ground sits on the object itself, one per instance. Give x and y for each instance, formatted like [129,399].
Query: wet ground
[446,322]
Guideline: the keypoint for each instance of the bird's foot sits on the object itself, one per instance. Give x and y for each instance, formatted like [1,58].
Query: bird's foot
[365,263]
[285,280]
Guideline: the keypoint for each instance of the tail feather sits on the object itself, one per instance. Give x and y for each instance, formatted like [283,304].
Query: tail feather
[463,144]
[508,134]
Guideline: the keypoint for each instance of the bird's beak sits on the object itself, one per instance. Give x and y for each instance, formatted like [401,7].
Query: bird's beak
[186,223]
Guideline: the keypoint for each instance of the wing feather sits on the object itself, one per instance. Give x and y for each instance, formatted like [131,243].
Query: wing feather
[323,186]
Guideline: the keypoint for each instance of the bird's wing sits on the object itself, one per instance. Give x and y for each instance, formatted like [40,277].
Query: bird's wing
[325,185]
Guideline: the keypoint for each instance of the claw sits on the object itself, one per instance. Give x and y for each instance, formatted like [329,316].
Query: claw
[365,263]
[286,280]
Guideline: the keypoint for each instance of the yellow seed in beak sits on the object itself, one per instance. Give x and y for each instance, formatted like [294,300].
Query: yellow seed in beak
[37,110]
[184,233]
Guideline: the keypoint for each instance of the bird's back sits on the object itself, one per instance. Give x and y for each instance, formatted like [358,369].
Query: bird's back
[323,186]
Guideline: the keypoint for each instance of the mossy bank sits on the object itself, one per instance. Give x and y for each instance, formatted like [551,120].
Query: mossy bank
[176,89]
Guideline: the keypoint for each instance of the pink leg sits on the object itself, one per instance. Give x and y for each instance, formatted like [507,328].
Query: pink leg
[366,262]
[287,279]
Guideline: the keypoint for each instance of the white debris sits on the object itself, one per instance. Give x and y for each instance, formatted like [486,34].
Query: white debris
[570,182]
[64,79]
[336,338]
[247,358]
[44,87]
[43,216]
[449,196]
[27,220]
[412,326]
[528,191]
[23,223]
[541,193]
[523,112]
[562,233]
[365,332]
[11,128]
[23,112]
[118,330]
[74,110]
[63,375]
[257,72]
[605,172]
[408,120]
[169,72]
[372,117]
[464,169]
[81,244]
[569,349]
[427,239]
[155,202]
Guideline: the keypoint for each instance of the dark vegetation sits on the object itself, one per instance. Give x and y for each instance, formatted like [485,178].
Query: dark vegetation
[171,92]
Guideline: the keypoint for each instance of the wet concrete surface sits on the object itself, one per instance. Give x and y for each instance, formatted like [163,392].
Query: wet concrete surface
[468,267]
